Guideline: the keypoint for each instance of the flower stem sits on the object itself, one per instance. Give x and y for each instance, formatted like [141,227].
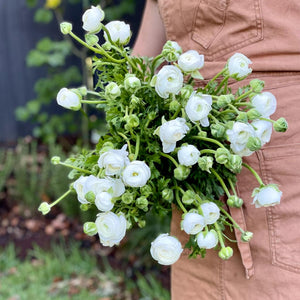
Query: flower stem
[137,147]
[221,182]
[93,102]
[75,168]
[126,139]
[61,197]
[210,151]
[170,158]
[93,93]
[254,173]
[179,202]
[232,186]
[235,224]
[243,95]
[220,236]
[209,140]
[215,77]
[224,81]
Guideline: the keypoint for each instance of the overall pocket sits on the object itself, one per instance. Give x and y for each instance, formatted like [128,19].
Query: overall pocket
[223,26]
[281,165]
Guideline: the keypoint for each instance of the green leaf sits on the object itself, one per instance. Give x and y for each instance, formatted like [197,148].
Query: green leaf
[31,3]
[43,15]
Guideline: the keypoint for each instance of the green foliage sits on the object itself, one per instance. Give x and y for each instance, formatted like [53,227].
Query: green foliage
[115,12]
[7,163]
[43,15]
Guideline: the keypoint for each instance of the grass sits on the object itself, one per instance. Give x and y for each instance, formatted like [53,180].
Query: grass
[65,273]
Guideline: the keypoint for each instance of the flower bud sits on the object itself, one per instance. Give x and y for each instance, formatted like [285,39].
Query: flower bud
[106,46]
[225,253]
[146,190]
[142,223]
[132,121]
[280,125]
[174,106]
[253,114]
[222,155]
[202,133]
[127,198]
[224,100]
[131,83]
[188,197]
[167,195]
[91,39]
[84,207]
[66,27]
[205,163]
[254,143]
[234,201]
[142,203]
[186,91]
[234,163]
[90,228]
[112,91]
[82,90]
[135,101]
[218,130]
[55,160]
[181,172]
[152,115]
[246,236]
[44,208]
[90,196]
[171,51]
[257,85]
[242,117]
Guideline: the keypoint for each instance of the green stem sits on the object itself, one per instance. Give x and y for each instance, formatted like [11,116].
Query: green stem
[221,182]
[243,95]
[137,147]
[75,168]
[126,139]
[220,236]
[179,202]
[225,79]
[170,158]
[234,108]
[214,78]
[254,173]
[60,198]
[93,93]
[93,102]
[235,224]
[209,140]
[268,120]
[176,113]
[210,151]
[232,186]
[244,104]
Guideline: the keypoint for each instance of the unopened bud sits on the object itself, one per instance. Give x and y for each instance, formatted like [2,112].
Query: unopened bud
[84,207]
[234,163]
[188,197]
[234,201]
[66,27]
[205,163]
[253,114]
[186,91]
[90,197]
[44,208]
[55,160]
[90,228]
[222,155]
[112,91]
[127,198]
[168,195]
[218,130]
[174,106]
[181,172]
[142,203]
[280,125]
[131,83]
[254,143]
[257,85]
[225,253]
[91,39]
[224,100]
[246,236]
[242,117]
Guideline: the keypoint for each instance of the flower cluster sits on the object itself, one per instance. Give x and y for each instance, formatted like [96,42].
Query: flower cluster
[172,139]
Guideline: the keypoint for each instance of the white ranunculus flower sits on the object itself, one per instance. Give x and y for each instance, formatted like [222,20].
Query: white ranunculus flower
[111,228]
[238,136]
[238,66]
[188,155]
[136,174]
[269,195]
[190,61]
[78,185]
[103,201]
[198,108]
[92,19]
[166,249]
[68,99]
[171,132]
[208,240]
[169,80]
[119,32]
[192,223]
[263,130]
[211,212]
[114,161]
[265,103]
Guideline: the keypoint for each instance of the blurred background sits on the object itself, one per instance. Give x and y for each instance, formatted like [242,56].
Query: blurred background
[50,257]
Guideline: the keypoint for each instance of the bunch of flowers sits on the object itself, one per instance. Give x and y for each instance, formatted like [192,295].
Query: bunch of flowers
[171,140]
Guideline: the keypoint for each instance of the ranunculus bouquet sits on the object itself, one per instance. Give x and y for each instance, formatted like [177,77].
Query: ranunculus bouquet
[171,140]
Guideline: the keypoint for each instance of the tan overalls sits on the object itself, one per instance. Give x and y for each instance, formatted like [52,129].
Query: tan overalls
[268,32]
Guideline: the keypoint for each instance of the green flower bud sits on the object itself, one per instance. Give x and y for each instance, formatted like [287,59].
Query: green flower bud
[167,195]
[135,101]
[186,91]
[142,203]
[84,207]
[280,125]
[234,163]
[205,163]
[171,51]
[225,253]
[91,39]
[253,114]
[146,190]
[224,100]
[132,121]
[242,117]
[181,172]
[142,223]
[90,196]
[188,197]
[112,91]
[127,198]
[55,160]
[254,143]
[257,85]
[90,228]
[44,208]
[174,106]
[66,27]
[152,115]
[106,46]
[82,90]
[202,133]
[218,130]
[131,83]
[222,155]
[246,236]
[234,201]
